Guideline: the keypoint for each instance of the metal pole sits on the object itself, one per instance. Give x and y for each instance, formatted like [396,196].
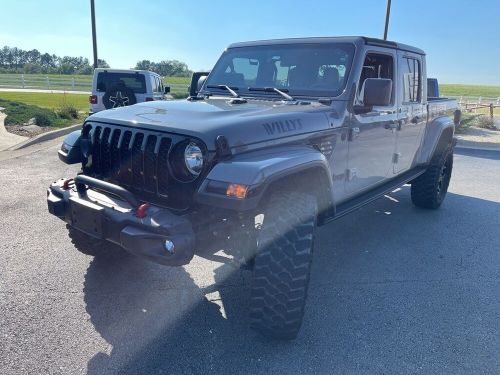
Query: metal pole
[387,14]
[94,41]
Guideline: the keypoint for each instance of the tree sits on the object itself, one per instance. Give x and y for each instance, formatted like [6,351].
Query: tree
[102,63]
[143,65]
[165,67]
[16,60]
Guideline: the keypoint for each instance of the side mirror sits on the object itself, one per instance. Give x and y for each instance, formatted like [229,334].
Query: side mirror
[167,89]
[197,81]
[377,92]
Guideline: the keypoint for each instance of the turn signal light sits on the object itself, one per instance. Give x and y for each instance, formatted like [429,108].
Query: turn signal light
[237,191]
[93,99]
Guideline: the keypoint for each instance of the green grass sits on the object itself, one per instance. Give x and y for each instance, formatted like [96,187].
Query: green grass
[47,109]
[469,90]
[47,100]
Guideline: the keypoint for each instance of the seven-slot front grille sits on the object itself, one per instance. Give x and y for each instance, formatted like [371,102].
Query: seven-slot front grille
[136,159]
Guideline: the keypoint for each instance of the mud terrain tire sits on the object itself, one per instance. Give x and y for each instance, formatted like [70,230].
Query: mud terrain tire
[282,265]
[429,189]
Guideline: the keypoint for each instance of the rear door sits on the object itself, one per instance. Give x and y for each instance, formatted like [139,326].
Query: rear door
[412,114]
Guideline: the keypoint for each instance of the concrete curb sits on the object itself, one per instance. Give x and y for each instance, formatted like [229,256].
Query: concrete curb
[484,146]
[45,137]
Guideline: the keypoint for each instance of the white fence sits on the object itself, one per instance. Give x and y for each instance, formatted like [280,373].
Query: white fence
[61,82]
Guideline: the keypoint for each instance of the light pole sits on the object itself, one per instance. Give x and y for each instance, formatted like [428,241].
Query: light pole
[94,40]
[387,14]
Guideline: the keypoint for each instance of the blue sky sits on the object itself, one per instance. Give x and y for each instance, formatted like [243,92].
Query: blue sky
[461,38]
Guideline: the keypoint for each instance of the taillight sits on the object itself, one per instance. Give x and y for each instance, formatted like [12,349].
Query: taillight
[93,99]
[149,99]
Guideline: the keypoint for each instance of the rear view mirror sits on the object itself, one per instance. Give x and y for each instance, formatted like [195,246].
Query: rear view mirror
[167,89]
[197,81]
[377,92]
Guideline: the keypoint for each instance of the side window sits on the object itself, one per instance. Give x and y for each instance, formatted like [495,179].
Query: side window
[161,90]
[376,66]
[410,71]
[154,89]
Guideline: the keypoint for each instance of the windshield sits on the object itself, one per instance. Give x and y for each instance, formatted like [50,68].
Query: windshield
[299,69]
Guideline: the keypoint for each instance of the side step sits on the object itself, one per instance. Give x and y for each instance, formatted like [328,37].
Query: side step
[371,195]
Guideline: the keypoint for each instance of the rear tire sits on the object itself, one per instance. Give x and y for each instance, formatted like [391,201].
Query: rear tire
[282,265]
[429,189]
[88,245]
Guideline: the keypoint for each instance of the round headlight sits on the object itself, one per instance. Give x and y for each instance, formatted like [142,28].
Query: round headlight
[193,157]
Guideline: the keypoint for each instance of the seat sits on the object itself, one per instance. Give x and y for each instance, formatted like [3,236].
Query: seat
[266,76]
[233,79]
[299,77]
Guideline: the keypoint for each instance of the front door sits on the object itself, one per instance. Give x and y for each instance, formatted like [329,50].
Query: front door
[412,115]
[372,137]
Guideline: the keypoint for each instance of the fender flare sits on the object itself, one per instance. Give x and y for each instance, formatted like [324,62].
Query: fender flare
[303,166]
[439,134]
[70,152]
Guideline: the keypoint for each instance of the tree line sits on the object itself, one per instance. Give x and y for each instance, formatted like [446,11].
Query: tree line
[171,68]
[17,60]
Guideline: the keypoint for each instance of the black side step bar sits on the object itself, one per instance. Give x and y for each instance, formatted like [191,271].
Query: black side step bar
[373,194]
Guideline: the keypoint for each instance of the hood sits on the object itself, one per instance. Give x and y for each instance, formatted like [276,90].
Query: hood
[242,124]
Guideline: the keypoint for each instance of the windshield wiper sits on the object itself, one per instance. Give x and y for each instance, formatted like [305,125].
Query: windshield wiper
[225,87]
[283,92]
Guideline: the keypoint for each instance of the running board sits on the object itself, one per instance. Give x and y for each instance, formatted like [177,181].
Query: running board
[369,196]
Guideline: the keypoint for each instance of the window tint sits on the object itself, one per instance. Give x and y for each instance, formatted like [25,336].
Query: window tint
[161,88]
[376,66]
[302,69]
[154,84]
[410,71]
[135,82]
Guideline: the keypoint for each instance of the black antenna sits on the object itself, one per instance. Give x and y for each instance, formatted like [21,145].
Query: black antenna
[94,41]
[388,13]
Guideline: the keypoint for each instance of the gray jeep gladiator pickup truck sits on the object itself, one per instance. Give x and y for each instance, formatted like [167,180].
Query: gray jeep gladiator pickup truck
[280,137]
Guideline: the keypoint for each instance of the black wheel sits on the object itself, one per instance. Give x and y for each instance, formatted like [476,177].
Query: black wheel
[429,189]
[282,265]
[88,245]
[118,96]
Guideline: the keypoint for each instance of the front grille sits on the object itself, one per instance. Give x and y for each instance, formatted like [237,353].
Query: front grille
[138,160]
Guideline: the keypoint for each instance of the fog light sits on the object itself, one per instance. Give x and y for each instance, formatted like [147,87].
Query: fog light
[169,246]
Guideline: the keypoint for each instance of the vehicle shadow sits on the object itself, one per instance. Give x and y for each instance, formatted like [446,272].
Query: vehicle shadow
[378,276]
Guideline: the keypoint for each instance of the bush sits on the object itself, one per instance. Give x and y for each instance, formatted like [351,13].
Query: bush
[486,122]
[179,95]
[43,119]
[20,113]
[475,120]
[68,111]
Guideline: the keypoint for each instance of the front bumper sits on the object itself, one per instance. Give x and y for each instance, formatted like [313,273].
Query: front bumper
[106,217]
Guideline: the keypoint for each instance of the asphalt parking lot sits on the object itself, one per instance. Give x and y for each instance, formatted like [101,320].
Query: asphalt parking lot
[395,289]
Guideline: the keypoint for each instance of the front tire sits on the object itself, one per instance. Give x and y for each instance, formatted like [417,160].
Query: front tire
[429,189]
[283,264]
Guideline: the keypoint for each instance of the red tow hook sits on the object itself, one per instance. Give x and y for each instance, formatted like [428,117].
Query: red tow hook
[141,210]
[66,183]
